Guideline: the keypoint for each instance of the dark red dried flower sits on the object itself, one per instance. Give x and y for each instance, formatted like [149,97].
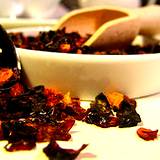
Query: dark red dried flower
[16,90]
[55,152]
[63,42]
[147,134]
[20,145]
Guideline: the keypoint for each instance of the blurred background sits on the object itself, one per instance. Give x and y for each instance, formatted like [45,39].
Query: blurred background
[57,8]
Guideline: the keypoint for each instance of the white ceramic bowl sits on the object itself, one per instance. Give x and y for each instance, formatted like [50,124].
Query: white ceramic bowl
[87,75]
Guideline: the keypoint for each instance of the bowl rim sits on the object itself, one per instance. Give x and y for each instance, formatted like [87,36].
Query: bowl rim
[89,57]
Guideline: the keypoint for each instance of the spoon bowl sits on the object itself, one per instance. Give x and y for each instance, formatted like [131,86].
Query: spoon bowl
[104,24]
[110,26]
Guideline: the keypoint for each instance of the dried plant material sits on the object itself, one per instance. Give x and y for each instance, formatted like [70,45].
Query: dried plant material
[147,134]
[5,75]
[64,42]
[115,99]
[55,152]
[121,113]
[67,98]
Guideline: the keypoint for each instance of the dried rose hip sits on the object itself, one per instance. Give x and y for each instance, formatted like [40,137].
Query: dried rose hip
[147,134]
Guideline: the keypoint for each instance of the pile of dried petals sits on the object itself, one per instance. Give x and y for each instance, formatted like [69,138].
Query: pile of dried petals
[62,42]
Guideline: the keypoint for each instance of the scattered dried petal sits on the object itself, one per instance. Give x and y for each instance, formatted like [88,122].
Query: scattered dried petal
[115,99]
[5,74]
[147,134]
[20,145]
[16,90]
[55,152]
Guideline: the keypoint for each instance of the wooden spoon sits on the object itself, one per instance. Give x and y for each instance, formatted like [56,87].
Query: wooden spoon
[110,26]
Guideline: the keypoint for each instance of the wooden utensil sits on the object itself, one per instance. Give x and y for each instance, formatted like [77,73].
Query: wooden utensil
[111,26]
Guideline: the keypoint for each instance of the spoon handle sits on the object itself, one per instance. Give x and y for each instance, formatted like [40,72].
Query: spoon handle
[149,19]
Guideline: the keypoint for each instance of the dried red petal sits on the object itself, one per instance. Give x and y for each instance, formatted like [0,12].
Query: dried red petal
[62,131]
[45,132]
[65,47]
[54,151]
[5,75]
[16,90]
[53,97]
[113,122]
[1,131]
[147,134]
[20,145]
